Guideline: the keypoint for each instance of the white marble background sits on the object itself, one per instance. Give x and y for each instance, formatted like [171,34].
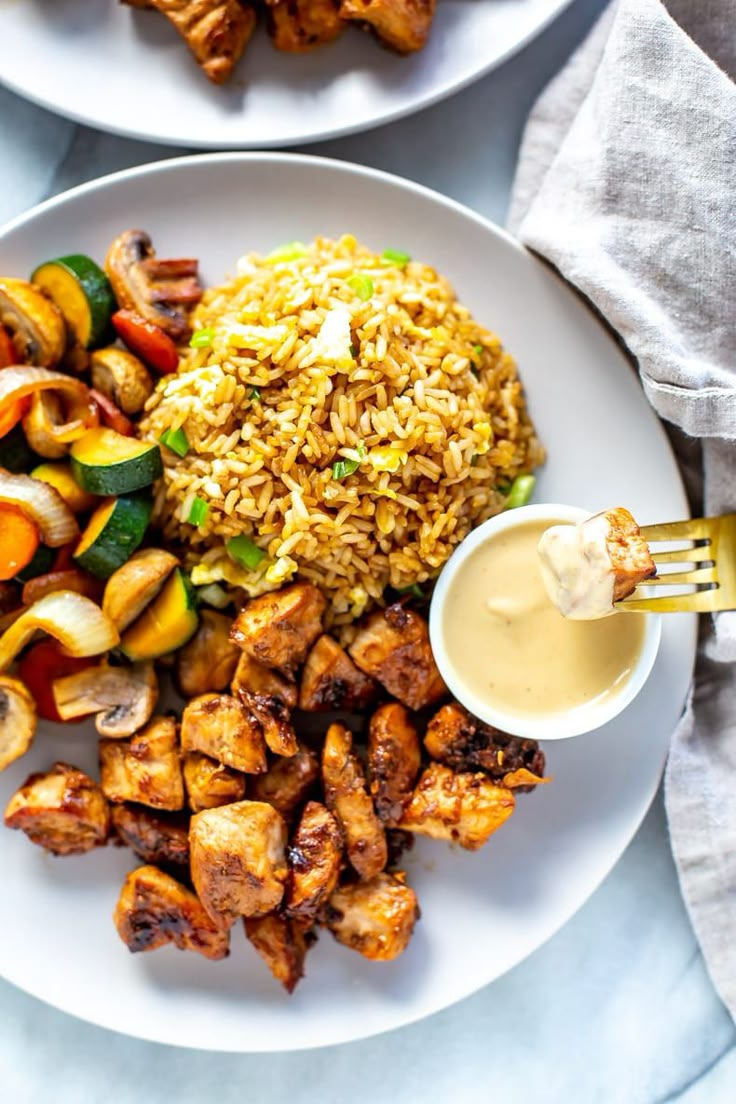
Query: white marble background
[617,1008]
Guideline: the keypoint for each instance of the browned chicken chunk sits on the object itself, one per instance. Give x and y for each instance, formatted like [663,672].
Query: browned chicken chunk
[209,784]
[288,782]
[146,768]
[62,810]
[314,857]
[207,663]
[394,758]
[464,808]
[216,31]
[253,678]
[331,681]
[393,647]
[299,25]
[460,740]
[278,629]
[155,837]
[374,918]
[402,24]
[630,555]
[154,909]
[220,726]
[282,945]
[238,860]
[275,721]
[347,797]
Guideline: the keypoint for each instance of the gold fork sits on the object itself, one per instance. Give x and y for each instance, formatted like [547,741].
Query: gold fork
[711,551]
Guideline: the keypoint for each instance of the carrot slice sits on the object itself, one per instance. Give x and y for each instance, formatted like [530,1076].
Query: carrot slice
[38,668]
[8,354]
[111,415]
[19,542]
[12,414]
[147,340]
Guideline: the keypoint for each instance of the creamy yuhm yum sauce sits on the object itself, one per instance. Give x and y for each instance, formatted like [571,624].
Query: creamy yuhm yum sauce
[576,568]
[515,651]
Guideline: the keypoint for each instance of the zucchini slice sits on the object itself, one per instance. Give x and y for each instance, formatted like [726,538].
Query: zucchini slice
[168,623]
[41,564]
[59,475]
[82,292]
[16,455]
[106,463]
[115,530]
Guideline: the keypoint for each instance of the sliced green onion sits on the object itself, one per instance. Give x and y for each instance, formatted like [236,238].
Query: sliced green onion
[361,450]
[176,440]
[255,394]
[290,251]
[245,552]
[521,491]
[475,370]
[201,339]
[343,468]
[354,350]
[415,590]
[361,285]
[198,512]
[478,350]
[214,595]
[396,256]
[474,459]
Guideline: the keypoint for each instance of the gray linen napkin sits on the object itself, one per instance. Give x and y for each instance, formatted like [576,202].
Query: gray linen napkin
[627,184]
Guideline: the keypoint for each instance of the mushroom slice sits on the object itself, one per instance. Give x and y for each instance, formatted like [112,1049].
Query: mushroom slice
[122,377]
[374,918]
[17,720]
[62,810]
[35,324]
[124,697]
[154,909]
[158,290]
[207,663]
[282,945]
[146,768]
[134,585]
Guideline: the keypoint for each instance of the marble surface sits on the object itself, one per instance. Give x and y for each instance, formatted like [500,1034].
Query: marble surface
[617,1008]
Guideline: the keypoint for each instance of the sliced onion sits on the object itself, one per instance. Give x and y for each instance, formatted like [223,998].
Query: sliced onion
[43,504]
[81,413]
[76,622]
[45,412]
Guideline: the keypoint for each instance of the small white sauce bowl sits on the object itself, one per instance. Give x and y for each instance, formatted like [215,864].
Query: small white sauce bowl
[536,726]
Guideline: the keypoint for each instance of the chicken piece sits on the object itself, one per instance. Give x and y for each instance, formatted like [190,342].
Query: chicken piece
[587,567]
[402,24]
[216,31]
[458,739]
[62,810]
[207,663]
[394,759]
[221,727]
[209,784]
[288,782]
[374,918]
[278,629]
[146,768]
[298,26]
[154,909]
[254,678]
[282,945]
[465,808]
[393,647]
[314,855]
[274,719]
[347,797]
[330,680]
[155,837]
[238,860]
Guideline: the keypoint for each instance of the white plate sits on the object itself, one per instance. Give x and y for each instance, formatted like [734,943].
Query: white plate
[483,912]
[101,63]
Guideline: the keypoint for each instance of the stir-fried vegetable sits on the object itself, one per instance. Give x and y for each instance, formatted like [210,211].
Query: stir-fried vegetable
[111,416]
[342,468]
[19,540]
[17,720]
[198,512]
[38,668]
[8,354]
[176,440]
[43,505]
[82,292]
[202,339]
[77,623]
[122,377]
[69,579]
[34,322]
[147,340]
[166,624]
[521,491]
[107,463]
[245,552]
[290,251]
[18,383]
[362,285]
[396,257]
[59,476]
[113,533]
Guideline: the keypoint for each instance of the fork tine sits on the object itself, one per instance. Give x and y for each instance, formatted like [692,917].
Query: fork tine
[675,578]
[691,529]
[696,554]
[700,601]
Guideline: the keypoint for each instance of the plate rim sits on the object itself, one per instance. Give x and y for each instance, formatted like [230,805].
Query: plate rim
[413,106]
[349,168]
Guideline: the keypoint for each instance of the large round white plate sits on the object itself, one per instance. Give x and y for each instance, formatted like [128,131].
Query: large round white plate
[483,912]
[104,64]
